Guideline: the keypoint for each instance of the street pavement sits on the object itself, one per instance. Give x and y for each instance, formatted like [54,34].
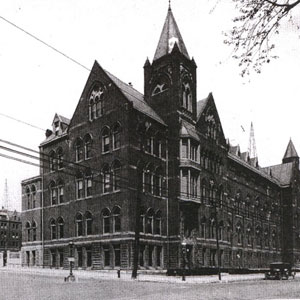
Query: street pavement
[49,284]
[125,275]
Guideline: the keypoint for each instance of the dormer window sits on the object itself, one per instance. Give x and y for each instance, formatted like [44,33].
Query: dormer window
[56,127]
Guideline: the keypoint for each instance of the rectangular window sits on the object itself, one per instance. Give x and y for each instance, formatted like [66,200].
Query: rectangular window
[142,255]
[106,183]
[33,258]
[193,151]
[53,258]
[158,256]
[184,148]
[184,183]
[60,194]
[88,257]
[79,257]
[106,256]
[194,185]
[61,258]
[148,146]
[79,188]
[105,144]
[150,257]
[53,196]
[117,255]
[88,185]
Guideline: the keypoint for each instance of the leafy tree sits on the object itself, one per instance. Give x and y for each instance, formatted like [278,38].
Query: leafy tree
[257,22]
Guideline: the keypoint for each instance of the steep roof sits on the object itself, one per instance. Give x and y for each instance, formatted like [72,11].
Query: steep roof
[135,97]
[63,119]
[188,129]
[170,36]
[283,172]
[290,150]
[200,106]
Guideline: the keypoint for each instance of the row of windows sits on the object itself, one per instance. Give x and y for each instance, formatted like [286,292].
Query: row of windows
[109,179]
[226,232]
[154,144]
[30,196]
[153,181]
[150,221]
[189,149]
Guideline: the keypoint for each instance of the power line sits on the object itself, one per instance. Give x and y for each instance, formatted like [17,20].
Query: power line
[44,43]
[20,121]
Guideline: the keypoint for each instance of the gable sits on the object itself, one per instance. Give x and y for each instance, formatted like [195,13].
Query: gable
[208,121]
[103,92]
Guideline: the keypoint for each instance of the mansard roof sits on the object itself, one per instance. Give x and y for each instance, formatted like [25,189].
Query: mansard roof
[170,36]
[290,151]
[135,97]
[283,172]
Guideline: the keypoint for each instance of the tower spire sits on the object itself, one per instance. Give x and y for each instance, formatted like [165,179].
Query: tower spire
[170,36]
[252,143]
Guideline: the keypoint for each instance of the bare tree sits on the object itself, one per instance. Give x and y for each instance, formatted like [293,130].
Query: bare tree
[251,36]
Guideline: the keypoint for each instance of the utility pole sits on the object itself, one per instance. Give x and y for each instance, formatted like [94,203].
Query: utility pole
[137,216]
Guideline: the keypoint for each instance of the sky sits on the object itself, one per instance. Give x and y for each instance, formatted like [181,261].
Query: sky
[36,82]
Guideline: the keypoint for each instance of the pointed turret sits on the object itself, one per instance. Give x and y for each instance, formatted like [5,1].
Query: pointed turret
[290,153]
[169,36]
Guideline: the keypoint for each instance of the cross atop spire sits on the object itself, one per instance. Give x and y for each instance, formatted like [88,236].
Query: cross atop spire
[170,36]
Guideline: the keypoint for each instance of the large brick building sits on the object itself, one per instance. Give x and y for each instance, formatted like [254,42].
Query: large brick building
[160,158]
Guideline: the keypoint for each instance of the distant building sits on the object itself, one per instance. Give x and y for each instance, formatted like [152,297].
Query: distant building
[10,232]
[160,158]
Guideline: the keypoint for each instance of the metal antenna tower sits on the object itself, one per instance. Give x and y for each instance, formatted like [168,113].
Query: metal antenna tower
[6,197]
[252,144]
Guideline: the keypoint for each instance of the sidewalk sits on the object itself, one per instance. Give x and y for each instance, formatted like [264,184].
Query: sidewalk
[126,275]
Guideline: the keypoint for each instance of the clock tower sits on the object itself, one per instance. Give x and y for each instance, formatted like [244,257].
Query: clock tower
[170,81]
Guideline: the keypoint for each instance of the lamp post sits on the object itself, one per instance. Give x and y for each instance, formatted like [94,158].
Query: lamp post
[183,247]
[71,259]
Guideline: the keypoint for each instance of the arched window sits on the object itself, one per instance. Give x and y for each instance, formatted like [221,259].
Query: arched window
[116,172]
[248,235]
[28,197]
[148,178]
[116,219]
[52,161]
[106,179]
[105,140]
[239,233]
[88,146]
[106,220]
[60,158]
[60,223]
[53,229]
[149,221]
[157,226]
[88,223]
[96,102]
[60,190]
[79,224]
[53,193]
[212,228]
[116,136]
[221,230]
[79,150]
[33,231]
[28,230]
[33,195]
[274,237]
[142,220]
[266,237]
[228,230]
[258,236]
[187,96]
[88,186]
[157,182]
